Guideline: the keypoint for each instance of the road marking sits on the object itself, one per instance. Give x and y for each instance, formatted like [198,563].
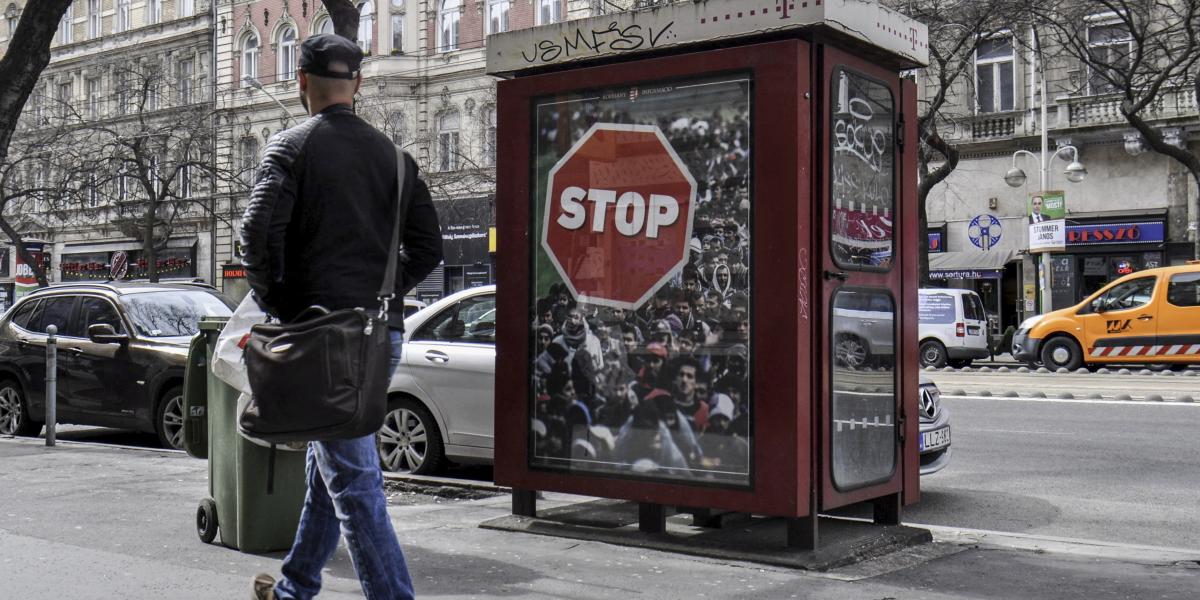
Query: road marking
[1075,401]
[1021,431]
[1064,545]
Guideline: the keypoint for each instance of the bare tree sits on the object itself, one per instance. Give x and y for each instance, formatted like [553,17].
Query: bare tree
[26,57]
[956,29]
[1147,58]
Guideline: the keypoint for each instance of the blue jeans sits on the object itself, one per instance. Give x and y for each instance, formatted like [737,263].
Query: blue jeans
[345,497]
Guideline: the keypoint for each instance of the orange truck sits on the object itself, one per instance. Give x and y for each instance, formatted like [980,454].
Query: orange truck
[1150,316]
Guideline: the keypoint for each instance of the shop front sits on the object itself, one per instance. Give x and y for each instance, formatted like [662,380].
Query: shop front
[980,254]
[467,259]
[126,261]
[1101,250]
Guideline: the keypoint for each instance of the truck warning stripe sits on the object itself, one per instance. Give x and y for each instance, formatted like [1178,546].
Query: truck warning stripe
[1176,350]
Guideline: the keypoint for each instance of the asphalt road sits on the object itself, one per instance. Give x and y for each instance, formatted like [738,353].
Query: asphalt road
[1118,472]
[1172,386]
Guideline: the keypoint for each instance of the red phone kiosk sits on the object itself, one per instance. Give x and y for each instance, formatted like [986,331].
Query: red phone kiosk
[707,259]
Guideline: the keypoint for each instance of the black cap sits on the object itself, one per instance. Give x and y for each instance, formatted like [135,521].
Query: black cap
[319,50]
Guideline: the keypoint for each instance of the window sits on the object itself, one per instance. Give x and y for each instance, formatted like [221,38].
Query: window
[98,311]
[448,142]
[65,25]
[862,194]
[448,29]
[1109,45]
[1130,294]
[549,11]
[187,8]
[121,83]
[122,183]
[324,25]
[287,54]
[65,94]
[124,15]
[184,75]
[394,127]
[185,180]
[498,16]
[153,11]
[249,59]
[11,16]
[366,25]
[39,106]
[994,81]
[248,160]
[152,173]
[26,313]
[93,15]
[92,87]
[1184,289]
[54,311]
[397,34]
[472,321]
[91,196]
[489,135]
[152,93]
[174,313]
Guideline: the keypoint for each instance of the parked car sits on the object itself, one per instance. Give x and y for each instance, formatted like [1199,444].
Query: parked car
[934,445]
[1150,316]
[953,327]
[122,348]
[862,328]
[442,407]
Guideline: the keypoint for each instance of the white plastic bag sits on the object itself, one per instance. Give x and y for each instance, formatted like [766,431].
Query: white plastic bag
[228,362]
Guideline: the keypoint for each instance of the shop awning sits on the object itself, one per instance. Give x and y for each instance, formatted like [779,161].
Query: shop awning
[969,265]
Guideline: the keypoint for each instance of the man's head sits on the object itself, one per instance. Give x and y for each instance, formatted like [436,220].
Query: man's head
[1036,203]
[329,71]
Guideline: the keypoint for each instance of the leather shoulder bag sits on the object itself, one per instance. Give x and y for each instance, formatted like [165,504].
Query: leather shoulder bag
[325,375]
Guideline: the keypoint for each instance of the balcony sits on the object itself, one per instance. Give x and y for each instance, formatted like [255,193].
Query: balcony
[1091,111]
[989,127]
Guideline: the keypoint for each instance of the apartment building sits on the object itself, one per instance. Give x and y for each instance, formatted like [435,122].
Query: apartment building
[129,68]
[1134,210]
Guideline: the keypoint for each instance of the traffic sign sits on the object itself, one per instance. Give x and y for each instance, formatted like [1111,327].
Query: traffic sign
[618,214]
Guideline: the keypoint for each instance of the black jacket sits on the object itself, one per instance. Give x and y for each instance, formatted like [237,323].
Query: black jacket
[320,219]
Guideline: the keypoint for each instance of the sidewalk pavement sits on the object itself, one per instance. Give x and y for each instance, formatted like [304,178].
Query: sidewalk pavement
[92,522]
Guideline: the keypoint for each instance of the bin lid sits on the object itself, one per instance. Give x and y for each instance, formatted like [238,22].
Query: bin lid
[213,323]
[871,29]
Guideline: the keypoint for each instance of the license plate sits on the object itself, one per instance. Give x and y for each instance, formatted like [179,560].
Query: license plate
[974,330]
[938,438]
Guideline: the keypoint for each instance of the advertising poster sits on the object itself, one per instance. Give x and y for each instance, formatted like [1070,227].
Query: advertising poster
[26,281]
[1048,236]
[1046,206]
[641,353]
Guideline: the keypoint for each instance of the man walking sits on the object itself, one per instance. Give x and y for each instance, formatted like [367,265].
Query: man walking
[317,231]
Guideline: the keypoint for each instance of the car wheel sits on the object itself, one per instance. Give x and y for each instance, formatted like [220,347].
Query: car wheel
[1062,353]
[409,441]
[851,352]
[14,412]
[169,423]
[206,520]
[933,354]
[960,364]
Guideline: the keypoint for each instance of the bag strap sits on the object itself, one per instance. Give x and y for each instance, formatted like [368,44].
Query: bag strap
[387,291]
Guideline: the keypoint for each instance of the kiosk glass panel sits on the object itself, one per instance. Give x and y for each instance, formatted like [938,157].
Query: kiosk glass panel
[862,179]
[641,343]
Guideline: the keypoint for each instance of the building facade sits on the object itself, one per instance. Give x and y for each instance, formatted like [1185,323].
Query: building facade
[120,71]
[1134,210]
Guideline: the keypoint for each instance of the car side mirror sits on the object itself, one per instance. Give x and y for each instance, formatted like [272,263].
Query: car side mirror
[103,333]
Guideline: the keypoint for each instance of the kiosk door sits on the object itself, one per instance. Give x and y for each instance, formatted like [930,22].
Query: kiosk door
[859,416]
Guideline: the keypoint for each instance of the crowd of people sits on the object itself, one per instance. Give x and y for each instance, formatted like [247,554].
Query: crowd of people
[661,389]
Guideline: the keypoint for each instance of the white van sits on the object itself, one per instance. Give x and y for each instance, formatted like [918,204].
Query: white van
[953,327]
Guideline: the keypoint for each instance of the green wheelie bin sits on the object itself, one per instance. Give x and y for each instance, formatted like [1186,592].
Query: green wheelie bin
[255,492]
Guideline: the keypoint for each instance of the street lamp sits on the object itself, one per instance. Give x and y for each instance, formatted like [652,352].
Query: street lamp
[256,84]
[1075,171]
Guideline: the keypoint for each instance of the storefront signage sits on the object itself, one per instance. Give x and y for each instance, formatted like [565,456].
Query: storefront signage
[967,274]
[936,242]
[1049,236]
[107,266]
[985,232]
[26,280]
[233,272]
[678,24]
[1116,233]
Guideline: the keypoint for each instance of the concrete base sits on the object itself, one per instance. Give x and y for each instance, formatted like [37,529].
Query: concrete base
[757,539]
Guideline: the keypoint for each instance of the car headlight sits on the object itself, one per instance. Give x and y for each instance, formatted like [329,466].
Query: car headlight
[1029,323]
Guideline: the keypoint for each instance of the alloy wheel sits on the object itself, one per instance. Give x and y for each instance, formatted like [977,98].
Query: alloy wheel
[172,421]
[403,441]
[850,352]
[12,415]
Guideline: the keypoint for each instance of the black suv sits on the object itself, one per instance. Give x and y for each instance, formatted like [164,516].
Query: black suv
[122,348]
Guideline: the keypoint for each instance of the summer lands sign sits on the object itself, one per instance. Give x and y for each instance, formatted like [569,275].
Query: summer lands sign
[680,24]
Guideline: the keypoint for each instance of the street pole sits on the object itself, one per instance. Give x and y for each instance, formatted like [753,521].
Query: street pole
[1044,280]
[256,84]
[51,383]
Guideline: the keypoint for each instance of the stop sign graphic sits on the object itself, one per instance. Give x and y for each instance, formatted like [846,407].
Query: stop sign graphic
[618,214]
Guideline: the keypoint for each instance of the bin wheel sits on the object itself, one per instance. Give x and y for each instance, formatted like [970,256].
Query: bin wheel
[206,521]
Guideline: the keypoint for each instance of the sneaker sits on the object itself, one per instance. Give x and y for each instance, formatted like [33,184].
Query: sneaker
[264,587]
